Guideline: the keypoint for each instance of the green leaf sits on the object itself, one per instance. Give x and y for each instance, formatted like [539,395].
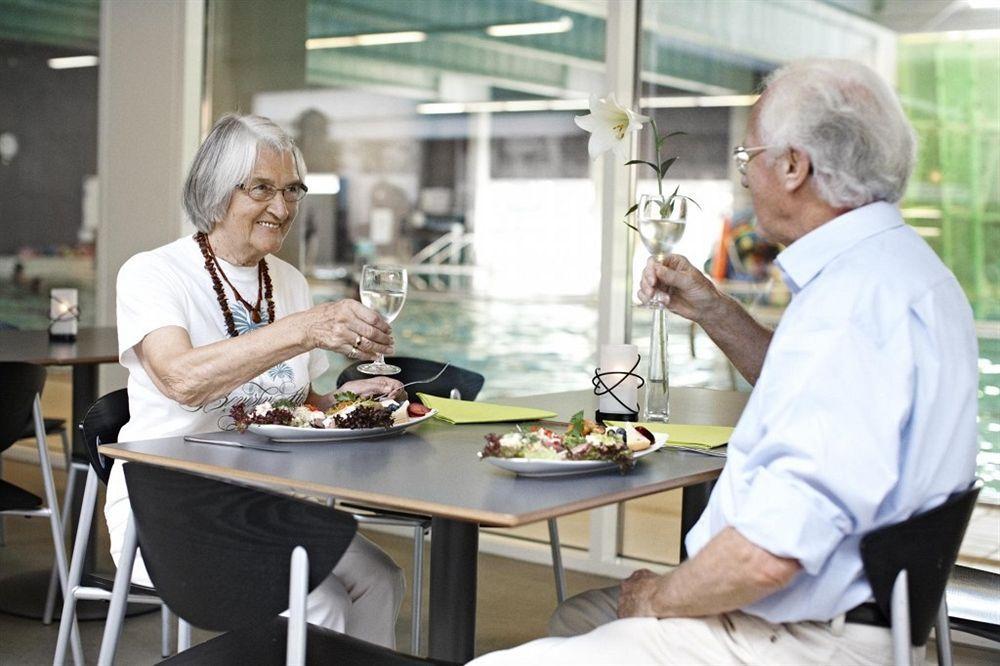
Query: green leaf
[666,165]
[576,424]
[681,196]
[670,134]
[630,226]
[649,164]
[676,190]
[631,210]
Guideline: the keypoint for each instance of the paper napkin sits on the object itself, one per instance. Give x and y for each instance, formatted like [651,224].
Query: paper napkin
[466,411]
[691,436]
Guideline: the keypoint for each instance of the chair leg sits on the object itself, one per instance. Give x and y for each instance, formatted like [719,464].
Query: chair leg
[67,621]
[942,634]
[119,597]
[183,635]
[418,589]
[50,599]
[557,565]
[298,588]
[67,451]
[902,651]
[52,501]
[166,631]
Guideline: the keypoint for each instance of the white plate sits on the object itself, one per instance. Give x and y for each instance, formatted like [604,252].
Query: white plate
[542,467]
[280,433]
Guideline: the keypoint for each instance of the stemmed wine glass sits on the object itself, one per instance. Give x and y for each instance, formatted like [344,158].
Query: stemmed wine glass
[383,289]
[661,221]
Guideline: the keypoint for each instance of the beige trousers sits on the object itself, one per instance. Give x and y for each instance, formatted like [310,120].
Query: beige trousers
[360,597]
[586,631]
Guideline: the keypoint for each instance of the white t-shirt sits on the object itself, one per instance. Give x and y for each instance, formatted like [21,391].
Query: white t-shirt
[169,286]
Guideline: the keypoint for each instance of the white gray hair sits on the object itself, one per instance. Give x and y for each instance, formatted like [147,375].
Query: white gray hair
[226,159]
[850,123]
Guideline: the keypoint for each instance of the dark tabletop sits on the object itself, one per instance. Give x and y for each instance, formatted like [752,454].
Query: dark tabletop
[93,345]
[434,470]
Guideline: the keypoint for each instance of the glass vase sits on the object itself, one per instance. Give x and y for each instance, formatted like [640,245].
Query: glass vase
[658,376]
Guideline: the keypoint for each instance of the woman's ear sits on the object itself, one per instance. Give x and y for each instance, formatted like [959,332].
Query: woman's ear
[798,168]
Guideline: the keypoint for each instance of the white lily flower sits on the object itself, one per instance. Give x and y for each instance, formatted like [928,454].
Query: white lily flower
[610,125]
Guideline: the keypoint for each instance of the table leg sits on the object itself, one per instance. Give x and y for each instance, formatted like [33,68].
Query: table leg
[693,503]
[84,395]
[454,564]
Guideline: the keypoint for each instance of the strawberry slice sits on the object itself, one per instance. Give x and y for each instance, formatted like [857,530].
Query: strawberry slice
[415,409]
[645,433]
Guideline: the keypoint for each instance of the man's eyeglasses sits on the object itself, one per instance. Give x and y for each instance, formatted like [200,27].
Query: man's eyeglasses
[742,156]
[264,192]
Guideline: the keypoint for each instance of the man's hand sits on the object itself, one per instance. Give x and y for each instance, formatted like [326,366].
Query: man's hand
[636,596]
[681,287]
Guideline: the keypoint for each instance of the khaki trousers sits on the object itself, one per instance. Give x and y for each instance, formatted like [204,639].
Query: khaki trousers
[586,631]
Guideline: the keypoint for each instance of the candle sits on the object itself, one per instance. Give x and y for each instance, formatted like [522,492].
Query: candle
[618,360]
[64,314]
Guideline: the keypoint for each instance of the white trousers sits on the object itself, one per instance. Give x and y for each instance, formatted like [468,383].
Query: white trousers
[360,597]
[588,632]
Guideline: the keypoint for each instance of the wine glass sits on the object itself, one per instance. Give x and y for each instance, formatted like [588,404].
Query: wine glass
[661,221]
[383,289]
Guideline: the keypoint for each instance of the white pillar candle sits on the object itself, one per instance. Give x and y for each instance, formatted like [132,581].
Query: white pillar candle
[63,313]
[619,359]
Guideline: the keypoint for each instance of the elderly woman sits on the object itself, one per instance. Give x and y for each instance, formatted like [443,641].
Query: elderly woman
[214,319]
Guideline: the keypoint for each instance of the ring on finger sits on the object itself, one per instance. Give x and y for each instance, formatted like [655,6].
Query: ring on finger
[353,353]
[357,341]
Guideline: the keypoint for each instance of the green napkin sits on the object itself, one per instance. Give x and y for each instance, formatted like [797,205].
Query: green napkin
[465,411]
[690,436]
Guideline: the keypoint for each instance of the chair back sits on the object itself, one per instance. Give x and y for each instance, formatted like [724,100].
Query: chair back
[467,382]
[220,554]
[101,425]
[926,546]
[19,384]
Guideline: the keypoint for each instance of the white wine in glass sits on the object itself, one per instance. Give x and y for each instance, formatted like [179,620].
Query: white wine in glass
[383,289]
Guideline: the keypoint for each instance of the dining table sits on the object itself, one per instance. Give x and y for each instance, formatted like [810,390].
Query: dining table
[24,594]
[433,469]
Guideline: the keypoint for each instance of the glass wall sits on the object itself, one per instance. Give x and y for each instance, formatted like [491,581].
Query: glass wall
[48,156]
[439,134]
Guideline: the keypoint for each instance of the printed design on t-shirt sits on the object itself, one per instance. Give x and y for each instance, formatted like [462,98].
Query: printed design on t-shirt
[244,324]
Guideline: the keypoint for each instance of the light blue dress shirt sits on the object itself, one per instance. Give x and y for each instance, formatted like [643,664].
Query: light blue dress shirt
[864,412]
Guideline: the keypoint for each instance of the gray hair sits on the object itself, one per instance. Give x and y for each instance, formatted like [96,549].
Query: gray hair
[850,123]
[226,159]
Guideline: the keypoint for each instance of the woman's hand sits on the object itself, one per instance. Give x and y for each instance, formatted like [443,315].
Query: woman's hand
[375,386]
[681,287]
[346,327]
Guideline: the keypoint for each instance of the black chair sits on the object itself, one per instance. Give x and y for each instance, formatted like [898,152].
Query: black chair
[230,558]
[454,382]
[908,565]
[101,424]
[21,387]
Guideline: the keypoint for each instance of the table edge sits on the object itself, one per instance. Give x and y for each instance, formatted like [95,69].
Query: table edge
[482,518]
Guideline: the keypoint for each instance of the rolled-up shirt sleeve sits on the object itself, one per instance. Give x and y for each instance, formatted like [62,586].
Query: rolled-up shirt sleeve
[828,452]
[149,297]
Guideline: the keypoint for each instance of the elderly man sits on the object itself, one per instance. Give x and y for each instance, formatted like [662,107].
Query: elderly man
[863,410]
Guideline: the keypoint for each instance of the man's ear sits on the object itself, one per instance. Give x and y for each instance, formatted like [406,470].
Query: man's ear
[798,168]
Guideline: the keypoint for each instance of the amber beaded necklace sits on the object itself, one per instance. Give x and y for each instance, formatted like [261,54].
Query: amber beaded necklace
[264,291]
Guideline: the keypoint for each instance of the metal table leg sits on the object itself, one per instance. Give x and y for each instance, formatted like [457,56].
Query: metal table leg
[454,564]
[693,503]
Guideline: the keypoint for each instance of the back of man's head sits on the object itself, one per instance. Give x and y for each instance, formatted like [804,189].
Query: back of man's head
[850,123]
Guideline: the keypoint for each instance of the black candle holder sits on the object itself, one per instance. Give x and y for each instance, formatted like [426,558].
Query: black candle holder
[600,383]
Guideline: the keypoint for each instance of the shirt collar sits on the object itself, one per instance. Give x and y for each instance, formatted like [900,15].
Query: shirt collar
[806,257]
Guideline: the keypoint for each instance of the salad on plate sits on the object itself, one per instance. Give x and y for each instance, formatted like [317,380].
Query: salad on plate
[349,411]
[583,440]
